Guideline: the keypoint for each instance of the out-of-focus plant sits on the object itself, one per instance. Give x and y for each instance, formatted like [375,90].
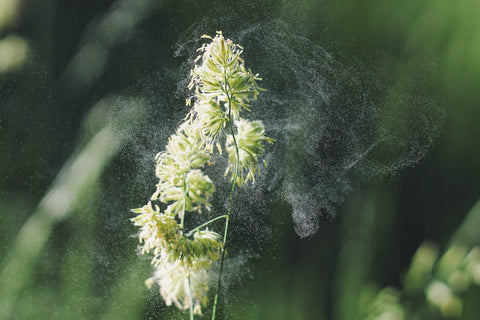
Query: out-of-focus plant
[13,48]
[431,281]
[73,184]
[183,255]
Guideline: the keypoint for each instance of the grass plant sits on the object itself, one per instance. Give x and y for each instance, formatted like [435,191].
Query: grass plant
[182,255]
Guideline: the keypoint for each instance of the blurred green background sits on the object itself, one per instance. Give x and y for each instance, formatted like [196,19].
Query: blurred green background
[87,100]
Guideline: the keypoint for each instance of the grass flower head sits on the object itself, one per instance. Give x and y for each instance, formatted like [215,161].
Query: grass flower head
[222,88]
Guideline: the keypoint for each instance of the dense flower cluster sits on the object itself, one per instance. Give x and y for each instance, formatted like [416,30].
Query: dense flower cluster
[180,180]
[249,139]
[222,88]
[180,285]
[456,271]
[222,78]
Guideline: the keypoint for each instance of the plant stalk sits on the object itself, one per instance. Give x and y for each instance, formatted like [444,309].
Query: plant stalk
[189,285]
[227,218]
[205,224]
[182,227]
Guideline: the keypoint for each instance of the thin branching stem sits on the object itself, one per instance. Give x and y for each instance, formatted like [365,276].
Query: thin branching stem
[189,286]
[206,224]
[182,227]
[230,123]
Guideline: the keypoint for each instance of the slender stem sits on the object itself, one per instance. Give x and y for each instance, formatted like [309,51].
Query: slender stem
[189,285]
[181,227]
[205,224]
[227,218]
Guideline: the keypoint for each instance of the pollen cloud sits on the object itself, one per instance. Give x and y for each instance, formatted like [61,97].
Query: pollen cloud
[337,126]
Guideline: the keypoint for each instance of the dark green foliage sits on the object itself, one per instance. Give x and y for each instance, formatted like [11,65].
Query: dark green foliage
[103,85]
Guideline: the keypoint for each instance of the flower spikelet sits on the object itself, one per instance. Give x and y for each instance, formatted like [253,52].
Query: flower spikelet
[196,253]
[223,88]
[157,229]
[249,138]
[180,181]
[193,191]
[222,77]
[210,117]
[179,284]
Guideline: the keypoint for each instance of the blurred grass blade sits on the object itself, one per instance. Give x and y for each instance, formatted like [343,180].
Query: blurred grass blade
[128,296]
[467,234]
[8,12]
[101,37]
[355,257]
[75,180]
[13,52]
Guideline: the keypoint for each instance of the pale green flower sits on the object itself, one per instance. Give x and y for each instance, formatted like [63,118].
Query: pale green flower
[194,189]
[157,229]
[222,78]
[161,234]
[185,150]
[195,253]
[180,284]
[249,138]
[210,117]
[223,87]
[180,181]
[181,269]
